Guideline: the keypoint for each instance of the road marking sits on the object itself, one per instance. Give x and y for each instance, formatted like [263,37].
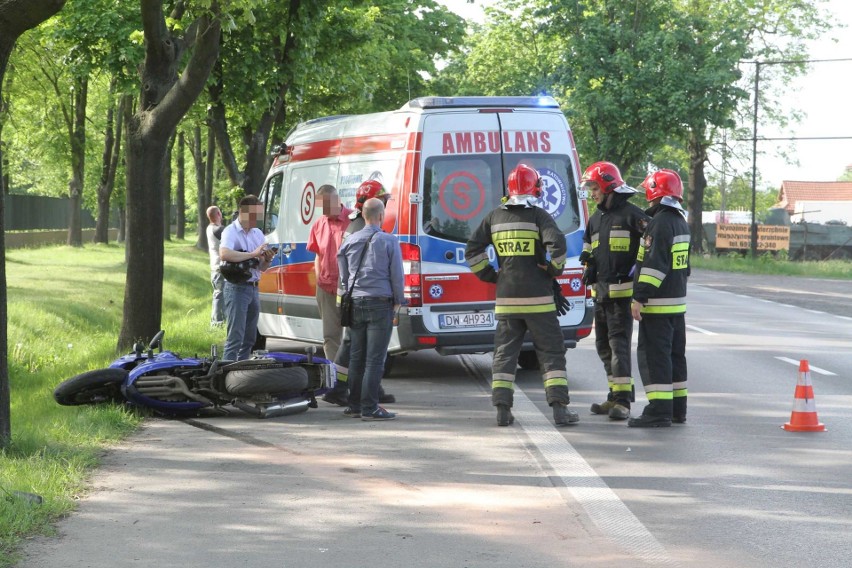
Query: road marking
[700,330]
[812,368]
[600,502]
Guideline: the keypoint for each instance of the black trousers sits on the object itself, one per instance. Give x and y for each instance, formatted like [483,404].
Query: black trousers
[661,356]
[613,333]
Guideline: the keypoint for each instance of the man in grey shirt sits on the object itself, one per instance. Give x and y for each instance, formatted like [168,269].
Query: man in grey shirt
[377,293]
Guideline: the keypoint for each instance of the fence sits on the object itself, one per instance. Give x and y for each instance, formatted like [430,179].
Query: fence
[35,212]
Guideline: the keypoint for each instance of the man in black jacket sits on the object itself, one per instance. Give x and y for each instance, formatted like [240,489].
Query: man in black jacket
[523,236]
[610,245]
[659,302]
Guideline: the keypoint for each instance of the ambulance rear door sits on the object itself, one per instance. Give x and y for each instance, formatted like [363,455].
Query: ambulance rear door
[466,158]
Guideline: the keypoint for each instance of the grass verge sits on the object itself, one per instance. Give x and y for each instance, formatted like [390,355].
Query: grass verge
[768,264]
[65,311]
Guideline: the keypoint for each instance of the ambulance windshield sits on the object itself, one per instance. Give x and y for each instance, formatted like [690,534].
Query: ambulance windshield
[458,191]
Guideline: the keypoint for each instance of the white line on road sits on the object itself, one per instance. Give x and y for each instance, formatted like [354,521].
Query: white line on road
[601,503]
[811,367]
[701,330]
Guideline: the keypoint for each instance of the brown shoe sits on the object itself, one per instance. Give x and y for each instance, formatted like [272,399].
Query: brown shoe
[619,412]
[603,408]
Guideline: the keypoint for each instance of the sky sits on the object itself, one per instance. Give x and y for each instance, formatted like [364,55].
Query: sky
[823,95]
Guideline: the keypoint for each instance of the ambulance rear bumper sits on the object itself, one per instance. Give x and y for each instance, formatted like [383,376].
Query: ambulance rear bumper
[413,336]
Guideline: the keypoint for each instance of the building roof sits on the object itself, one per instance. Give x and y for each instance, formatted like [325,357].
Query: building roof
[793,191]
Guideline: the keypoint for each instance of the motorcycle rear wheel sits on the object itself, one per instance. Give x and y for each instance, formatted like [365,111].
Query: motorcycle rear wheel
[92,387]
[248,382]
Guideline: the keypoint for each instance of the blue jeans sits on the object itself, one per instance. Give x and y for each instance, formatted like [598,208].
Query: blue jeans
[242,308]
[217,314]
[372,323]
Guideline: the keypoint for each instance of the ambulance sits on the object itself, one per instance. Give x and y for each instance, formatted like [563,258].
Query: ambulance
[444,161]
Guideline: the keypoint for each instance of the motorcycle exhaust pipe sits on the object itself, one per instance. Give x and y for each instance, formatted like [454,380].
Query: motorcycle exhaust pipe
[283,408]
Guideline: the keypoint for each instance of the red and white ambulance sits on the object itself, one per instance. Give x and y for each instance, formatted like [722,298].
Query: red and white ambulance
[444,161]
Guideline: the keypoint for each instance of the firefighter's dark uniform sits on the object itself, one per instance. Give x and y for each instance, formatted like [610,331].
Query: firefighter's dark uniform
[521,234]
[660,285]
[612,237]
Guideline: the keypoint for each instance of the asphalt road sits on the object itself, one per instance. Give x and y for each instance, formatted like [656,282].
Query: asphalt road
[825,295]
[444,487]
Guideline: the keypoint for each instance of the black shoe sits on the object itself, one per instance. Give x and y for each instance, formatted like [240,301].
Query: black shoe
[386,398]
[338,397]
[563,416]
[679,419]
[352,412]
[504,415]
[646,421]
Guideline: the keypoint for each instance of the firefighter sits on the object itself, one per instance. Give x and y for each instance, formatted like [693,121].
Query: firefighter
[530,254]
[339,395]
[659,302]
[610,245]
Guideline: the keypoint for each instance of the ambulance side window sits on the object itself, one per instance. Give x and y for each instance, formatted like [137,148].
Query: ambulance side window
[271,196]
[458,191]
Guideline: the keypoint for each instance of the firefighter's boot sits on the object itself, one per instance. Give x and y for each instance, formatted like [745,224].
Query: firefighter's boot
[503,398]
[658,414]
[679,410]
[558,399]
[603,407]
[620,410]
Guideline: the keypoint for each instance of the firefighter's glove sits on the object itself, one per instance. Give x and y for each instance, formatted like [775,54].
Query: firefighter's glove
[586,257]
[562,304]
[590,274]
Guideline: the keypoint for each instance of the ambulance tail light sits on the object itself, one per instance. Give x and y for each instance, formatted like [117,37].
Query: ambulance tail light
[413,288]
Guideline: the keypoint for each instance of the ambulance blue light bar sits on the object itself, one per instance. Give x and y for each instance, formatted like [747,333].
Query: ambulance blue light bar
[480,102]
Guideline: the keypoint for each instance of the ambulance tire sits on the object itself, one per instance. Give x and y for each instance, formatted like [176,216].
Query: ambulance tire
[528,360]
[93,387]
[250,382]
[389,361]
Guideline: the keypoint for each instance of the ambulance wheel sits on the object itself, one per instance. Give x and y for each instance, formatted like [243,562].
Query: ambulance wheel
[528,361]
[389,361]
[102,385]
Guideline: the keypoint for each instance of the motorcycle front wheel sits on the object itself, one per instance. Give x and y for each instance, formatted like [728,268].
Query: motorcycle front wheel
[93,387]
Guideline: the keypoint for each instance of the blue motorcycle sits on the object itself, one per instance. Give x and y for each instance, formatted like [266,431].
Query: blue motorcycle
[266,385]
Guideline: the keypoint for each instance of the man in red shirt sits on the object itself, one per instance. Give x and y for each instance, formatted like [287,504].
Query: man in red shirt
[324,240]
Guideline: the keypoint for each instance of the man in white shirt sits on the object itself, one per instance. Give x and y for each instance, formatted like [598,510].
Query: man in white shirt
[214,234]
[242,241]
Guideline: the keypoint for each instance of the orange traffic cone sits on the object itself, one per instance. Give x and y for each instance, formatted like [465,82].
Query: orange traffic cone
[804,416]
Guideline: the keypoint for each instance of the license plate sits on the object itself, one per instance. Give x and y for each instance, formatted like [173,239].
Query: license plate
[466,319]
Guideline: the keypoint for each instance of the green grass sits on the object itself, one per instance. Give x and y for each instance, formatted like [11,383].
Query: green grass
[65,311]
[768,264]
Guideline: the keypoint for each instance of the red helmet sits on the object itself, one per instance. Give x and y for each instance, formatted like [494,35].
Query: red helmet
[605,175]
[369,189]
[524,181]
[663,183]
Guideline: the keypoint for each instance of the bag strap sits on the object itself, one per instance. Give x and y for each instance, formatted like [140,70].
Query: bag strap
[360,262]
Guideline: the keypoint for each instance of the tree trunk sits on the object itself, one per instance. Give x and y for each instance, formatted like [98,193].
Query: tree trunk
[78,163]
[163,101]
[16,17]
[180,201]
[167,192]
[211,162]
[122,226]
[201,196]
[143,292]
[112,151]
[697,148]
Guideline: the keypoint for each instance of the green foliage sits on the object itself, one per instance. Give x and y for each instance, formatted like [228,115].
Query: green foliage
[63,322]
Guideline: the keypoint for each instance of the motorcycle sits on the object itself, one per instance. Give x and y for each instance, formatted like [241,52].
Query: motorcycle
[267,385]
